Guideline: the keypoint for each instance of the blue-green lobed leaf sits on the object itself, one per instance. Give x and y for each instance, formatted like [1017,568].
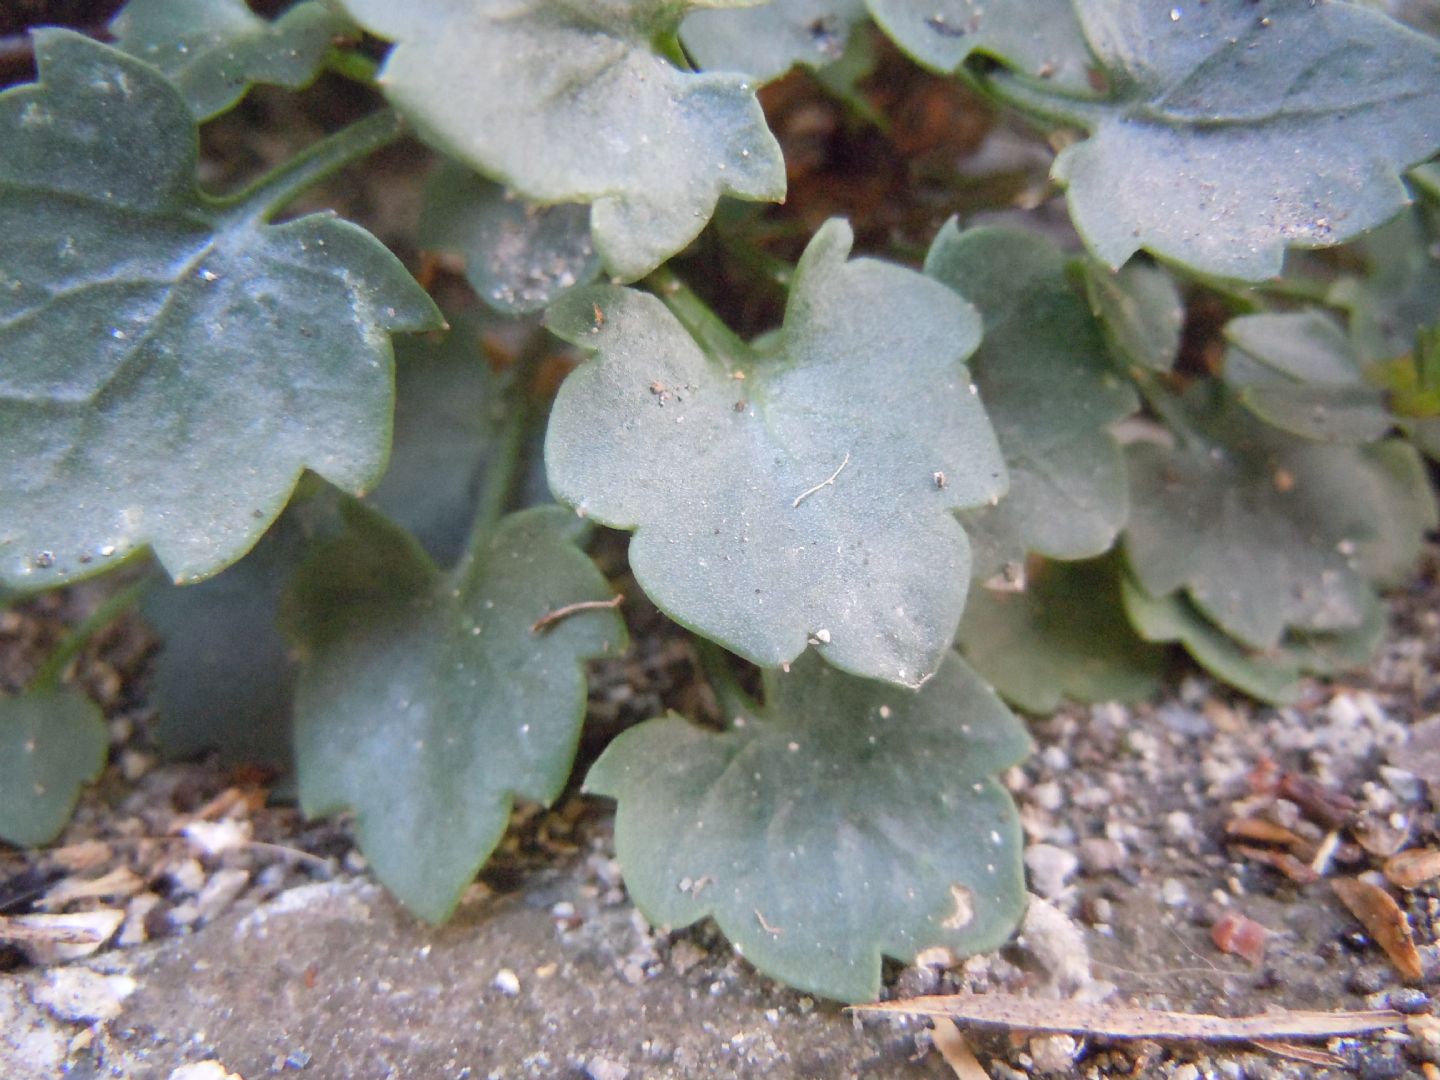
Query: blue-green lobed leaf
[1267,532]
[1051,392]
[1064,635]
[225,675]
[1300,372]
[1040,39]
[767,40]
[518,256]
[1274,674]
[169,364]
[428,702]
[1236,128]
[213,50]
[570,101]
[843,821]
[805,494]
[51,743]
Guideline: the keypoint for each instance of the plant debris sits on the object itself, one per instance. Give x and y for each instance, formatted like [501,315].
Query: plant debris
[1131,1022]
[1382,917]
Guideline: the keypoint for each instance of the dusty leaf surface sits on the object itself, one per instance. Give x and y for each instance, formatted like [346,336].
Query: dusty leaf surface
[800,503]
[426,702]
[766,41]
[1234,129]
[51,742]
[572,101]
[170,363]
[1051,392]
[1266,531]
[843,821]
[214,50]
[1041,39]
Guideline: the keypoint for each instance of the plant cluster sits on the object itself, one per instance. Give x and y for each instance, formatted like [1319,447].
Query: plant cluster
[998,471]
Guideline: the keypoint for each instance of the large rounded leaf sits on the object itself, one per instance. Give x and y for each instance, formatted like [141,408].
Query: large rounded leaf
[1038,38]
[569,101]
[803,495]
[1269,532]
[1063,636]
[1301,373]
[766,41]
[168,364]
[1272,674]
[225,675]
[51,743]
[428,701]
[213,50]
[518,256]
[1234,128]
[1051,391]
[844,821]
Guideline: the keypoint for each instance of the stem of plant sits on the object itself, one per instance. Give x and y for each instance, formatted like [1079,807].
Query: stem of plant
[1042,104]
[49,674]
[668,45]
[352,65]
[707,328]
[273,191]
[730,695]
[500,473]
[1166,404]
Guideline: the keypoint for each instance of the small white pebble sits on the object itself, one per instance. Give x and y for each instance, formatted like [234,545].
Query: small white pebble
[1173,893]
[507,982]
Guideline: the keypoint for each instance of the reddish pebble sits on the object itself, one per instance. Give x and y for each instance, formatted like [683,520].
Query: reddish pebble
[1239,936]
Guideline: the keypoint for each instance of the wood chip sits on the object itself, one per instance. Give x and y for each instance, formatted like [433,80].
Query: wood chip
[1266,832]
[1241,936]
[1379,837]
[1283,861]
[1133,1022]
[1330,808]
[77,858]
[54,939]
[1411,869]
[956,1051]
[1384,920]
[120,883]
[28,928]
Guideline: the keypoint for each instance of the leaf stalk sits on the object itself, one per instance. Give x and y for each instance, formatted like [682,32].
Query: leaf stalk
[276,189]
[51,671]
[501,472]
[702,324]
[730,695]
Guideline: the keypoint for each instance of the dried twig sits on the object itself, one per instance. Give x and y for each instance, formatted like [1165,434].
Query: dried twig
[829,481]
[1309,1055]
[549,620]
[1133,1022]
[956,1051]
